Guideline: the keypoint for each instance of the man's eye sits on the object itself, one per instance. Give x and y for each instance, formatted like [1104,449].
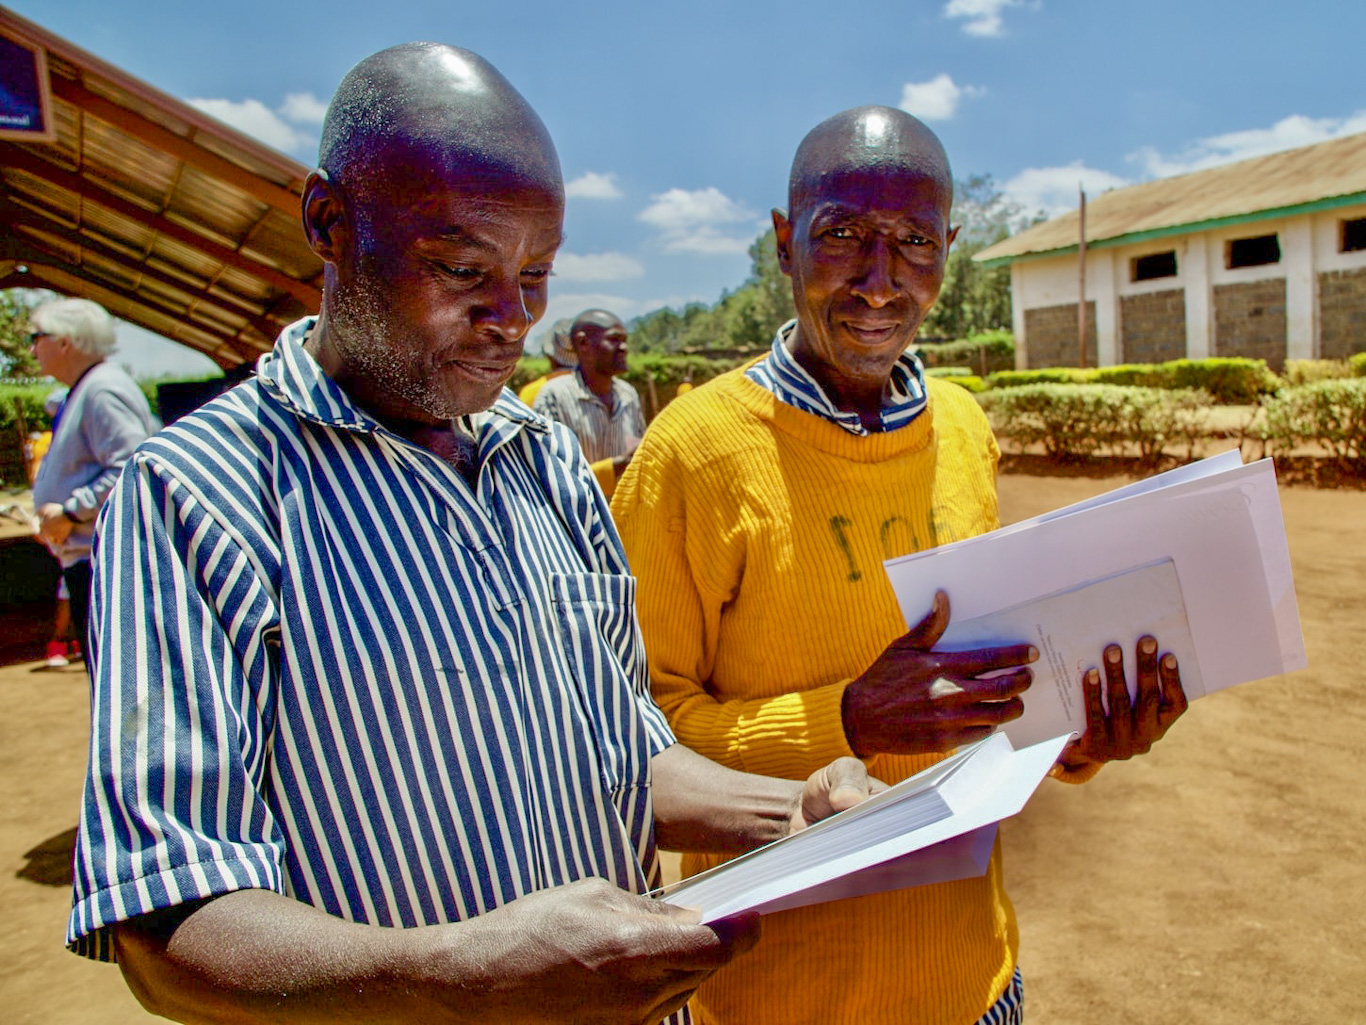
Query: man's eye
[537,273]
[455,271]
[841,233]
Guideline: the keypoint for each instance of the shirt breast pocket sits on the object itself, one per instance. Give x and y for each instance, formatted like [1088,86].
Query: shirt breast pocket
[605,656]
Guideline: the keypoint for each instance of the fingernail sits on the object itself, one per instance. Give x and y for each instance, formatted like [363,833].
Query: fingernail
[1113,654]
[1169,661]
[1147,645]
[1093,677]
[1033,655]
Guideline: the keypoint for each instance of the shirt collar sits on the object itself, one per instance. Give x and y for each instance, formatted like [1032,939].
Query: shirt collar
[297,382]
[789,381]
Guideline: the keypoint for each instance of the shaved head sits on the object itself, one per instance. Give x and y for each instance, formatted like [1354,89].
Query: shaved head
[598,318]
[429,104]
[877,140]
[437,210]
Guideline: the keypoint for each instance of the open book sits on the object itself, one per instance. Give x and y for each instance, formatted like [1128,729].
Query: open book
[936,826]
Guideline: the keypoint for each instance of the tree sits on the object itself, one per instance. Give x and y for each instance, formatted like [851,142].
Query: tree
[743,319]
[975,298]
[16,357]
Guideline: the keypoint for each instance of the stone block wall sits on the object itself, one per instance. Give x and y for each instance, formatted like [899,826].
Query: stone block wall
[1051,336]
[1152,326]
[1249,321]
[1342,313]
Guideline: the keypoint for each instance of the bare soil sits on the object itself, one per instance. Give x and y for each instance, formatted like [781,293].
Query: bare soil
[1218,880]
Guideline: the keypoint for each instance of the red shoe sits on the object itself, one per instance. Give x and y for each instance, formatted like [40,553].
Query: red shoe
[56,655]
[73,651]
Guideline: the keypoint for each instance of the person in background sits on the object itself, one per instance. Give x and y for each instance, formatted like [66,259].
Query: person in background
[602,410]
[104,417]
[757,514]
[563,360]
[372,732]
[62,649]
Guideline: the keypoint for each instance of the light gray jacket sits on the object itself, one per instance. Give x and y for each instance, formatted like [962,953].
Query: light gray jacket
[106,416]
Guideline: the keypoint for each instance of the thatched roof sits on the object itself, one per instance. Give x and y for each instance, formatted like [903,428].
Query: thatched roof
[1318,177]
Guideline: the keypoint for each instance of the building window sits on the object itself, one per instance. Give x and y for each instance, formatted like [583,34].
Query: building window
[1254,252]
[1156,265]
[1354,235]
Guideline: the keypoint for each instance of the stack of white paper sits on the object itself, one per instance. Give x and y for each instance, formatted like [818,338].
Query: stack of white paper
[936,826]
[1196,557]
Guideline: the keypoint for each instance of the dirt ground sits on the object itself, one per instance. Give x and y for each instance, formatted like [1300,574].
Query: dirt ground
[1217,880]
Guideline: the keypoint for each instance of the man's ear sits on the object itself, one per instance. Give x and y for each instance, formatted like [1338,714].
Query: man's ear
[953,234]
[782,231]
[324,217]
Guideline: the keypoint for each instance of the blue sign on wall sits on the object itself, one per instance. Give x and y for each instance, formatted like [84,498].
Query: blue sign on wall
[25,103]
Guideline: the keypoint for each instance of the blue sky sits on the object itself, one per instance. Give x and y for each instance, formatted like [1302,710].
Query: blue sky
[675,123]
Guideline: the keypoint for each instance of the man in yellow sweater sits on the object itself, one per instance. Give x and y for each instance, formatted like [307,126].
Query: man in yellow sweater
[757,513]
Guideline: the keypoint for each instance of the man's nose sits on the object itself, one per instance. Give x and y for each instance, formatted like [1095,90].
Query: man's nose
[505,310]
[877,284]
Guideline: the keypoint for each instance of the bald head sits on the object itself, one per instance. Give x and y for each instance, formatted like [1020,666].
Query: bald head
[594,318]
[882,141]
[437,107]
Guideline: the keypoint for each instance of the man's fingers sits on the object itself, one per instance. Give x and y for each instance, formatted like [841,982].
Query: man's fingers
[1149,691]
[925,634]
[841,784]
[1173,702]
[738,933]
[1095,707]
[985,660]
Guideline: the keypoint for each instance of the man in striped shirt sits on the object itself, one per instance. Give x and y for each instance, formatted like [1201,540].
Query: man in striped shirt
[365,645]
[594,402]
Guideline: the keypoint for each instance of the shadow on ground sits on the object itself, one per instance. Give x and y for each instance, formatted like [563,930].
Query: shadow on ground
[50,862]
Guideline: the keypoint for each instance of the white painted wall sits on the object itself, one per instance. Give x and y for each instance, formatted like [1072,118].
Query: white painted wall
[1309,244]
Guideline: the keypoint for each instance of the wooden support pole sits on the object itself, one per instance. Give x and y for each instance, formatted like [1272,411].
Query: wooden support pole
[1081,275]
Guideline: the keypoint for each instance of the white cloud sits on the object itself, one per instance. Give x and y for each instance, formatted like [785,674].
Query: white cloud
[1053,190]
[1287,133]
[980,17]
[696,221]
[278,127]
[610,266]
[303,108]
[591,185]
[937,99]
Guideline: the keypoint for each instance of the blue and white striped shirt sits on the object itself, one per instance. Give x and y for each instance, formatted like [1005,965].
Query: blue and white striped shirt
[781,374]
[326,666]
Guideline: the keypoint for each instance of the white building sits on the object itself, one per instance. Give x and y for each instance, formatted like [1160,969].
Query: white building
[1263,258]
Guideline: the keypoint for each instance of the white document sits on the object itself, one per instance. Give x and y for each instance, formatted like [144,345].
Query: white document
[888,842]
[1218,522]
[1071,630]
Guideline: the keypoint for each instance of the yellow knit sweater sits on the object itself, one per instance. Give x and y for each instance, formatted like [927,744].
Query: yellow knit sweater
[757,533]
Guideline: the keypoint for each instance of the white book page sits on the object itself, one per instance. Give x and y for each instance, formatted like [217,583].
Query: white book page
[1071,630]
[1222,531]
[989,781]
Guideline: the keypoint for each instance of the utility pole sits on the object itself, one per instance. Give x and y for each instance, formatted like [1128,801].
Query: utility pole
[1081,275]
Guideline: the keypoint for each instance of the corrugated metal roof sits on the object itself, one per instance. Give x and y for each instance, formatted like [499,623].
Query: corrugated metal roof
[1320,176]
[171,219]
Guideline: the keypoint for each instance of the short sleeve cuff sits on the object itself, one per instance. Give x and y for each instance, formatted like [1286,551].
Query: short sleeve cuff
[88,932]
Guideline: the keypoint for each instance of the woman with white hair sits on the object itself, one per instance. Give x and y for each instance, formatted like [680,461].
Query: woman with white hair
[105,416]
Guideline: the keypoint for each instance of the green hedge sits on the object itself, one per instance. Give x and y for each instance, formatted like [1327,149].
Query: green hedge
[30,396]
[986,352]
[1357,364]
[1306,371]
[1330,413]
[1237,382]
[1074,421]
